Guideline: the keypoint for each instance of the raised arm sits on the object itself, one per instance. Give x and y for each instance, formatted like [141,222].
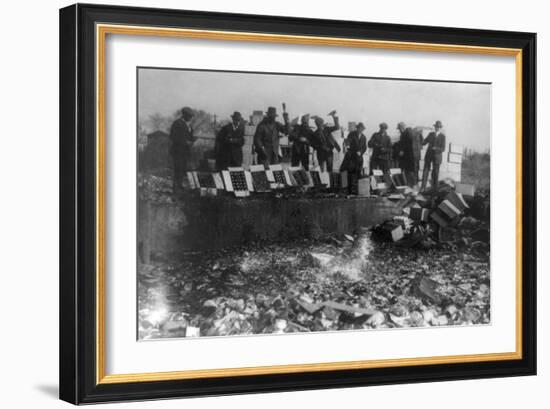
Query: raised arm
[284,128]
[336,124]
[333,141]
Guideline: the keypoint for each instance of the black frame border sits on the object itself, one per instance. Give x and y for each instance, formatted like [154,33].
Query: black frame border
[78,197]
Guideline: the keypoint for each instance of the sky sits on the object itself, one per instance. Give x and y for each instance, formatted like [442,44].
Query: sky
[463,108]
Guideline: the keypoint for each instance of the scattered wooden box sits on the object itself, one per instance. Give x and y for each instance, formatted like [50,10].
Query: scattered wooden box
[449,209]
[457,200]
[398,180]
[378,181]
[465,189]
[397,233]
[419,214]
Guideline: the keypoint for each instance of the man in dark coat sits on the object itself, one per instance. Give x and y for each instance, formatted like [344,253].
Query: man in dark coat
[266,138]
[301,137]
[324,143]
[181,135]
[380,144]
[229,143]
[434,155]
[353,160]
[409,153]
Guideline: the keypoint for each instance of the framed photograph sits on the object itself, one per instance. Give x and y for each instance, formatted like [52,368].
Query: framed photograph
[257,203]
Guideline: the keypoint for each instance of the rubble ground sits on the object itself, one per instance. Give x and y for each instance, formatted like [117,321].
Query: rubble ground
[335,283]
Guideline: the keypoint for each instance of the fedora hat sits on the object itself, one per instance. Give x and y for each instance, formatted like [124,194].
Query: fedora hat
[271,111]
[438,124]
[237,115]
[188,111]
[383,125]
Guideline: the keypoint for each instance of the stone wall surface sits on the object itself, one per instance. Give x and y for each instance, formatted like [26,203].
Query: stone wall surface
[220,222]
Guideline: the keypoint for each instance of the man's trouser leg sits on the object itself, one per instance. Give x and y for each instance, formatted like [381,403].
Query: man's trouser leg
[295,159]
[305,160]
[425,174]
[353,182]
[322,161]
[274,158]
[374,164]
[330,160]
[416,167]
[409,174]
[435,175]
[179,168]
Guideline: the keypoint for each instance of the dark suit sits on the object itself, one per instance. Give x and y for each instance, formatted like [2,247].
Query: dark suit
[410,146]
[229,146]
[324,144]
[266,141]
[181,135]
[300,137]
[433,158]
[381,151]
[353,161]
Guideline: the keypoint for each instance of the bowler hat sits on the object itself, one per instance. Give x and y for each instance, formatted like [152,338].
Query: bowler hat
[272,111]
[360,125]
[438,124]
[187,110]
[383,125]
[237,115]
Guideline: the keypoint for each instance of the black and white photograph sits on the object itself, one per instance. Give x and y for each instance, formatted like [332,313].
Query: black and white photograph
[274,203]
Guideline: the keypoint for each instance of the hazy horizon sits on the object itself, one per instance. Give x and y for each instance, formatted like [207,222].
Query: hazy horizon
[464,108]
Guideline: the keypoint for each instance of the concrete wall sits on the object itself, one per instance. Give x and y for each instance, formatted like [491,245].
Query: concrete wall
[214,223]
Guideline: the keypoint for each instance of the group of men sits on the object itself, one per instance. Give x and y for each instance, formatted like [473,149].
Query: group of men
[268,131]
[406,152]
[230,141]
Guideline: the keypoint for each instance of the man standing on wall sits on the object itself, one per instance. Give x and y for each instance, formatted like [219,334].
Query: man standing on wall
[434,155]
[409,153]
[380,144]
[229,143]
[301,137]
[181,135]
[324,143]
[353,161]
[266,138]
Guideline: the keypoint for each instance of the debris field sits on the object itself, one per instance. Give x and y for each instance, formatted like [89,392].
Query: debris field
[351,282]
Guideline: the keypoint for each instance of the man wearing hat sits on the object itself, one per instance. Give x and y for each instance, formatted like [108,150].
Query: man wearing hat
[301,139]
[409,153]
[380,144]
[324,143]
[353,160]
[434,155]
[181,135]
[229,143]
[266,138]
